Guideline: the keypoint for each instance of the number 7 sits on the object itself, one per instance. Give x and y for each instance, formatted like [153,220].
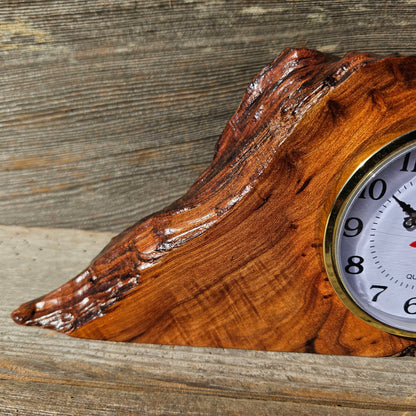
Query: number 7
[383,288]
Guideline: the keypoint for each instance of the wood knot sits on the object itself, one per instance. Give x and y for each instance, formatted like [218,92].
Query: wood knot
[336,110]
[378,100]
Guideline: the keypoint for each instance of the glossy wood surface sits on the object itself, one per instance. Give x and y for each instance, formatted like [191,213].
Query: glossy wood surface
[237,261]
[47,373]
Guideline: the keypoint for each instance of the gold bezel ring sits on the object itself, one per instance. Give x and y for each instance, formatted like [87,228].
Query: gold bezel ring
[366,169]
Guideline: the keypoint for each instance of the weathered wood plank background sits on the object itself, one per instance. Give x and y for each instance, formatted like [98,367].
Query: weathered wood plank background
[46,373]
[109,110]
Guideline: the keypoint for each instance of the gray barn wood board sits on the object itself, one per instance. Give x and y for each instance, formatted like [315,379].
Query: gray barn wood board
[109,110]
[43,372]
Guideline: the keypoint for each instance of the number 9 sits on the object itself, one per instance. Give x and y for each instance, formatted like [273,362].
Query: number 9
[353,226]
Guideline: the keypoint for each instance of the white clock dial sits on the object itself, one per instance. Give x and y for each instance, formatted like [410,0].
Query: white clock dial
[370,240]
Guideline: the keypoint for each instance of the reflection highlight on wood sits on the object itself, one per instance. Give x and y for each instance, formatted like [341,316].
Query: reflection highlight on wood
[237,261]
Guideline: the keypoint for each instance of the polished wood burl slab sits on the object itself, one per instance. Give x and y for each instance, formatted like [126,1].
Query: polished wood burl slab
[237,261]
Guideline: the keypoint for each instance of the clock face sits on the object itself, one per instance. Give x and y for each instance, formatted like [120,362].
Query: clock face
[370,239]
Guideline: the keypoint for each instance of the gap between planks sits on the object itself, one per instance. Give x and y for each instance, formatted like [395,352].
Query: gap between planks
[42,372]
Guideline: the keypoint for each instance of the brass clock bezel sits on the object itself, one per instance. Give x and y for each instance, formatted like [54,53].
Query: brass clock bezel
[366,169]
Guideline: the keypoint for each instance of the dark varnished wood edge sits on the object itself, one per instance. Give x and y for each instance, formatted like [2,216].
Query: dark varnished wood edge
[271,107]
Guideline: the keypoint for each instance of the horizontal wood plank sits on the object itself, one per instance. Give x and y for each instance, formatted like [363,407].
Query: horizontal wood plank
[110,110]
[46,373]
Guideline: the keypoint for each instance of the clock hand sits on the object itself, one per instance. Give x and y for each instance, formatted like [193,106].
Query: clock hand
[405,207]
[409,221]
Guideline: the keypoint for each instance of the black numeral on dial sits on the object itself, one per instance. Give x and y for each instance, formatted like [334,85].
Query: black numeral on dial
[381,289]
[355,265]
[410,306]
[353,226]
[376,190]
[405,166]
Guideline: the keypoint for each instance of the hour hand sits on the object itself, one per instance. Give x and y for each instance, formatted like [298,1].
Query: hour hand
[410,221]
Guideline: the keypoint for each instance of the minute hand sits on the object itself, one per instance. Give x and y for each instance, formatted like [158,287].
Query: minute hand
[409,222]
[405,207]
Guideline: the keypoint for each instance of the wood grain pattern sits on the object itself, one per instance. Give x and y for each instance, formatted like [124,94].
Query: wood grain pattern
[110,110]
[47,373]
[237,261]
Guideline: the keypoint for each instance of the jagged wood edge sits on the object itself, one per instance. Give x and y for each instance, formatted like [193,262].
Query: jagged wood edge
[290,85]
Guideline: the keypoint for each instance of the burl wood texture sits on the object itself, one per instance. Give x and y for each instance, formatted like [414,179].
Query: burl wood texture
[49,374]
[237,261]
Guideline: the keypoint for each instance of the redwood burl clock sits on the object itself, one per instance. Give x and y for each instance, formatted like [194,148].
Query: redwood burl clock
[300,235]
[370,243]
